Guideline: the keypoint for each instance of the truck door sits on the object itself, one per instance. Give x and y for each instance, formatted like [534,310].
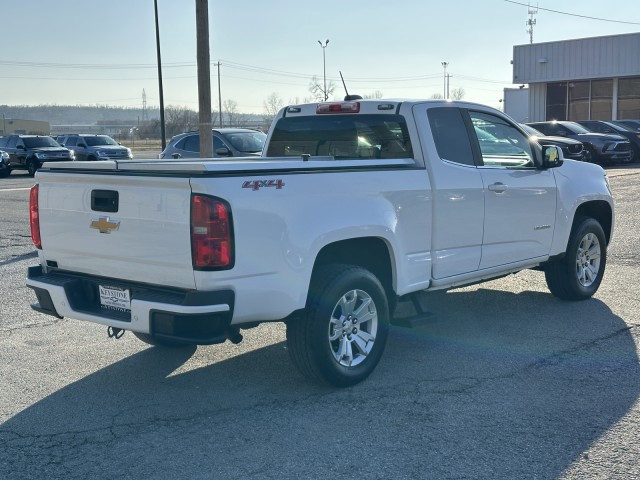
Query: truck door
[519,199]
[458,200]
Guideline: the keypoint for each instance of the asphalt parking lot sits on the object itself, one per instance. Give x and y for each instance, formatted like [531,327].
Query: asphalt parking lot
[504,382]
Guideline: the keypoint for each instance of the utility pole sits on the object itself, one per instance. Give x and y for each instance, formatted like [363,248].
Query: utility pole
[145,115]
[448,83]
[219,94]
[531,22]
[324,68]
[445,90]
[163,135]
[204,81]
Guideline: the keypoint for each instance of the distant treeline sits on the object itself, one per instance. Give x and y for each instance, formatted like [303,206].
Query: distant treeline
[177,118]
[77,114]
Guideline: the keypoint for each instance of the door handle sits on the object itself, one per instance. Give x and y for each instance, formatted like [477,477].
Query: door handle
[498,187]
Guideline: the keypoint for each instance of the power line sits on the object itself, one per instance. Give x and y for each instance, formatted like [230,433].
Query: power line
[574,14]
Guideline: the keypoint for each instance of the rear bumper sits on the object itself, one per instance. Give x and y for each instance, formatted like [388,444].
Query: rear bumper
[184,315]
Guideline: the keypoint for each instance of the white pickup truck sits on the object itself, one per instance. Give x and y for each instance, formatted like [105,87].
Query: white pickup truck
[353,206]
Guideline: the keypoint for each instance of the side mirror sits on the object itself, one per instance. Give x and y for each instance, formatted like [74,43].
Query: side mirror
[224,152]
[20,147]
[176,155]
[83,145]
[551,156]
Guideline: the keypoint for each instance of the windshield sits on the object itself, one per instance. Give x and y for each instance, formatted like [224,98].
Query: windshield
[532,132]
[39,142]
[247,142]
[99,140]
[575,127]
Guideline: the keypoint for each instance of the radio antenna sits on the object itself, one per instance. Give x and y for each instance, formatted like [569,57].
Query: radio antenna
[348,97]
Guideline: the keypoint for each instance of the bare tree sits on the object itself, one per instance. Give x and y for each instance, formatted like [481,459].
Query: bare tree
[436,96]
[272,105]
[179,119]
[458,93]
[376,94]
[230,108]
[317,90]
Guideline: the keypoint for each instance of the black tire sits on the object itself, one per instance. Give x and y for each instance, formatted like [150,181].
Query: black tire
[357,297]
[579,274]
[92,158]
[32,167]
[588,156]
[5,173]
[160,342]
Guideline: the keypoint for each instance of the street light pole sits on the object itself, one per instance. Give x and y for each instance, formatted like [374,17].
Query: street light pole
[324,68]
[162,127]
[444,94]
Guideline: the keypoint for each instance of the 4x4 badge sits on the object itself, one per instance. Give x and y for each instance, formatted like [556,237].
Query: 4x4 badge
[105,224]
[257,184]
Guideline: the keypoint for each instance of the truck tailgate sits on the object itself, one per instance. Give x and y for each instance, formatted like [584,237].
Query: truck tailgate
[146,237]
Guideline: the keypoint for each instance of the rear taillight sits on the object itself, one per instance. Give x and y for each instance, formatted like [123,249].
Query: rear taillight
[34,216]
[211,233]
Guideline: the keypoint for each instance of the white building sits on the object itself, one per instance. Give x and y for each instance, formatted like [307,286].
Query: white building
[585,79]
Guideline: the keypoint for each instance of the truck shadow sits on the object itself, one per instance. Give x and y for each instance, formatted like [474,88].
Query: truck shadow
[496,385]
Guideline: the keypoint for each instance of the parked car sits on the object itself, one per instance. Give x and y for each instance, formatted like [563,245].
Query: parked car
[227,142]
[600,147]
[29,152]
[571,149]
[601,126]
[5,167]
[94,147]
[632,124]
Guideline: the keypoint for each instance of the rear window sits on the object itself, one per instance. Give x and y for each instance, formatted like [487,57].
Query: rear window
[343,136]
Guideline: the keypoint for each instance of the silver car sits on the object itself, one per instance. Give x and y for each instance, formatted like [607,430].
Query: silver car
[5,168]
[227,142]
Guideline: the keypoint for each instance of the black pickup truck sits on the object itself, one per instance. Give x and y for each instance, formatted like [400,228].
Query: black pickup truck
[29,152]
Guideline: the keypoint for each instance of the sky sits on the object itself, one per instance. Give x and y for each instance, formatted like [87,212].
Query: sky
[103,52]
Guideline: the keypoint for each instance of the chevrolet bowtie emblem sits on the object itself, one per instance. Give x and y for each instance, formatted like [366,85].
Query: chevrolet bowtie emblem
[105,225]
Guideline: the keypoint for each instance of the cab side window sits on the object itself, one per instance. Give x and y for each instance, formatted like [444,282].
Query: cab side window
[217,143]
[191,143]
[502,145]
[450,135]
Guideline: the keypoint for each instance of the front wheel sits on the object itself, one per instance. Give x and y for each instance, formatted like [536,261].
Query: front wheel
[32,167]
[343,333]
[579,274]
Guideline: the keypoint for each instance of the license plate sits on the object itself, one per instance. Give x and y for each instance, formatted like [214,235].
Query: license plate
[115,298]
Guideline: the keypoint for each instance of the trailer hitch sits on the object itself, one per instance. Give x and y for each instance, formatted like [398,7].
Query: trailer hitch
[115,332]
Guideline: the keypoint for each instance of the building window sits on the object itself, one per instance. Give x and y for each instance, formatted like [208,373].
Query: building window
[557,101]
[579,100]
[629,98]
[591,100]
[601,100]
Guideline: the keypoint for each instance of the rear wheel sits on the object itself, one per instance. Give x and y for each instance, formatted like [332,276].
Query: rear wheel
[579,274]
[5,173]
[343,333]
